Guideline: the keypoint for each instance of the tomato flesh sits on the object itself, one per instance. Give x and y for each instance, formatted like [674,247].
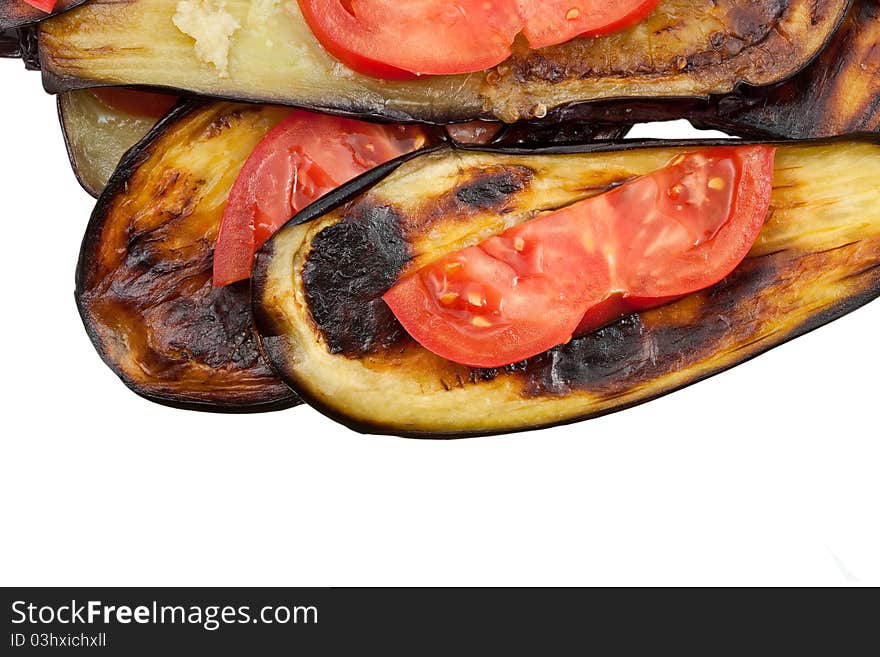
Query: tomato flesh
[551,22]
[140,103]
[43,5]
[652,240]
[397,40]
[431,37]
[298,161]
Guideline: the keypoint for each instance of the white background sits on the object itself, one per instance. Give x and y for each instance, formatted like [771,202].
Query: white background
[767,474]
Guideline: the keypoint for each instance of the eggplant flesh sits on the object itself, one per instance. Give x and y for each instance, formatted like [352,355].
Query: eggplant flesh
[340,348]
[16,13]
[97,136]
[144,286]
[683,49]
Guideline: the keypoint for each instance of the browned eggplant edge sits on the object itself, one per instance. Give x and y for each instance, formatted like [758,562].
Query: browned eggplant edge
[129,163]
[17,13]
[266,332]
[54,85]
[10,44]
[135,157]
[586,111]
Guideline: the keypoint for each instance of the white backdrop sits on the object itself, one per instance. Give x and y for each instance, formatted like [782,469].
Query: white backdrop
[767,474]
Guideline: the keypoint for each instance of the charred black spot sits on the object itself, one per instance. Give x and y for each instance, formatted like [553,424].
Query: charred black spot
[488,374]
[211,326]
[350,266]
[486,192]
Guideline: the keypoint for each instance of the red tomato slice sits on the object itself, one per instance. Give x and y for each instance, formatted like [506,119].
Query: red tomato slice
[131,101]
[659,237]
[489,305]
[396,40]
[301,159]
[43,5]
[389,38]
[550,22]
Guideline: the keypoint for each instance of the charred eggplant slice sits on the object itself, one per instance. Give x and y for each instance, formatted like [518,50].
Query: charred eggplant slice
[144,285]
[341,349]
[15,13]
[97,136]
[684,49]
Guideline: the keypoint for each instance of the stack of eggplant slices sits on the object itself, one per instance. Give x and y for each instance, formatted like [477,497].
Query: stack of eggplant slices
[420,217]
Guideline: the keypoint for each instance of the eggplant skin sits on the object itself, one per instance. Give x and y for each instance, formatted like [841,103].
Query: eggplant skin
[97,136]
[144,288]
[693,49]
[817,258]
[10,44]
[16,13]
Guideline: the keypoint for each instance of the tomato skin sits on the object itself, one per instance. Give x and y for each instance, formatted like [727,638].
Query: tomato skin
[397,40]
[646,243]
[43,5]
[551,22]
[302,158]
[132,101]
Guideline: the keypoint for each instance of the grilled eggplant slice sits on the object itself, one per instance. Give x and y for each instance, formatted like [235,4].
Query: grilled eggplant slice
[341,349]
[144,277]
[15,13]
[97,136]
[684,49]
[144,285]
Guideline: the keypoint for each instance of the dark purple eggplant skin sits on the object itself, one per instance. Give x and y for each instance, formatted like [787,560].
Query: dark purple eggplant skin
[16,13]
[10,44]
[21,43]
